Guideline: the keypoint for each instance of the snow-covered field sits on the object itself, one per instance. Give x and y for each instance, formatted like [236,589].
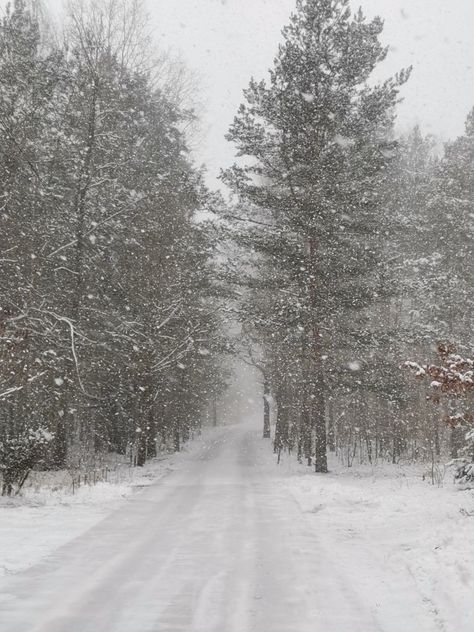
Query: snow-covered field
[226,541]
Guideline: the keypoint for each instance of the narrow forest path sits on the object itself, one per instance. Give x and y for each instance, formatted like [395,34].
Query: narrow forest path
[221,546]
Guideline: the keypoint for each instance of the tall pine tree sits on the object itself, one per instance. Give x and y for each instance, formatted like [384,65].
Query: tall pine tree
[317,137]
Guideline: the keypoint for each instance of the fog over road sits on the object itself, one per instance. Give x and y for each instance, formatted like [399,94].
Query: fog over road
[220,546]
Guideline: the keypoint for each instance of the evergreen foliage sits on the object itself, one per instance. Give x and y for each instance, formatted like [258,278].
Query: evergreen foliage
[318,141]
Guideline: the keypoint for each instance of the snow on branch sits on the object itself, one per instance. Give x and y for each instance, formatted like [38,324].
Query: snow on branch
[454,376]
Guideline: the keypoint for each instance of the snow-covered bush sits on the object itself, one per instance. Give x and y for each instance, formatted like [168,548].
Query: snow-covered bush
[452,384]
[19,454]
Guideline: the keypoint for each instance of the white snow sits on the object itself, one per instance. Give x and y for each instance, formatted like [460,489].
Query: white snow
[354,366]
[308,97]
[229,542]
[49,515]
[33,527]
[404,548]
[343,141]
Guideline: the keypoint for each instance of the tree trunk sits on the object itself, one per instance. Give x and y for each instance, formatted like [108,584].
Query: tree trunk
[456,441]
[214,411]
[281,428]
[141,448]
[319,420]
[176,440]
[266,410]
[331,426]
[317,391]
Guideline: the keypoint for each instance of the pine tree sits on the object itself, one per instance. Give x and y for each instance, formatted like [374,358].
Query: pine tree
[449,242]
[319,139]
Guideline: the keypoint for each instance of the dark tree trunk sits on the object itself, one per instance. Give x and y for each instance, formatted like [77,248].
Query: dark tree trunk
[456,441]
[331,426]
[176,440]
[266,410]
[60,443]
[317,373]
[319,420]
[307,430]
[214,411]
[151,434]
[281,427]
[141,451]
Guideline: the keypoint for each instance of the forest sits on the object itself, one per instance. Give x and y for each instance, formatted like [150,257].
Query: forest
[336,261]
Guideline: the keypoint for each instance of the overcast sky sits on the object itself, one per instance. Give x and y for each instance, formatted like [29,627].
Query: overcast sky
[228,41]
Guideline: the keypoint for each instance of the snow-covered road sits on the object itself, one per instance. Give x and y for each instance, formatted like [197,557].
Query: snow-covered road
[220,546]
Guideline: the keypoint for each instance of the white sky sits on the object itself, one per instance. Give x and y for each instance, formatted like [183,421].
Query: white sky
[228,41]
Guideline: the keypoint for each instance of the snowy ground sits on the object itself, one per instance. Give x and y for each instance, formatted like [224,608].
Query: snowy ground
[228,542]
[49,514]
[403,548]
